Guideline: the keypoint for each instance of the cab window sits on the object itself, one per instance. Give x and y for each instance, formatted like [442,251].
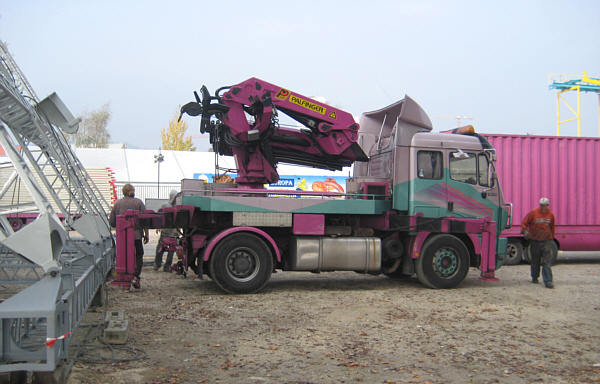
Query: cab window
[429,165]
[463,167]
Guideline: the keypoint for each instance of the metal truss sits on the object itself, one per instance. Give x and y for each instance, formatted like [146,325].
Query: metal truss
[66,253]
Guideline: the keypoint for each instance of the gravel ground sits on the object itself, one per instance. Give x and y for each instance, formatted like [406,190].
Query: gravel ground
[342,327]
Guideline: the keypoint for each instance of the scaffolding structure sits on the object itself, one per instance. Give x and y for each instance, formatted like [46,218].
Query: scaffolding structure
[64,255]
[566,83]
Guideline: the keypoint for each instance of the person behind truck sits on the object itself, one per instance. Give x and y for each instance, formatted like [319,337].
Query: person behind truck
[165,232]
[129,201]
[538,226]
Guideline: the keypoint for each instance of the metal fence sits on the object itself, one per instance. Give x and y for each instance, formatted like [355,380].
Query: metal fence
[148,191]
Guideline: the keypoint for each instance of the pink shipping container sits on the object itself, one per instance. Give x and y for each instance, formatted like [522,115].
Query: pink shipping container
[564,169]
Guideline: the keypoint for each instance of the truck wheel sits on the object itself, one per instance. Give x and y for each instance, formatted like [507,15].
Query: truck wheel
[514,252]
[16,224]
[241,263]
[444,262]
[527,255]
[554,252]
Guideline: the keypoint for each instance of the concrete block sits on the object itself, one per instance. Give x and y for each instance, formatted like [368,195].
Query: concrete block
[118,315]
[116,332]
[58,376]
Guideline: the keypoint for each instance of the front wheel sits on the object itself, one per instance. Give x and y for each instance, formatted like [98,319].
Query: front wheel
[241,263]
[443,263]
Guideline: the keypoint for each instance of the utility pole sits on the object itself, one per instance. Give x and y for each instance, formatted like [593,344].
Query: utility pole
[158,159]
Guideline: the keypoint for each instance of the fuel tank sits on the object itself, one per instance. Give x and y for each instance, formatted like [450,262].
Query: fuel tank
[316,254]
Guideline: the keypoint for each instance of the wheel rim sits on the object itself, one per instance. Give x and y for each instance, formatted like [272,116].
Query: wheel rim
[445,262]
[243,264]
[511,251]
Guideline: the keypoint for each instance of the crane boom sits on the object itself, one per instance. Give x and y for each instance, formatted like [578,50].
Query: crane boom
[243,123]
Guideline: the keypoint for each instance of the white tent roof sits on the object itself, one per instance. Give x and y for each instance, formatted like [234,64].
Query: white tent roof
[137,165]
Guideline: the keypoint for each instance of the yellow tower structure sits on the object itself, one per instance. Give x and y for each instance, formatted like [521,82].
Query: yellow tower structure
[566,83]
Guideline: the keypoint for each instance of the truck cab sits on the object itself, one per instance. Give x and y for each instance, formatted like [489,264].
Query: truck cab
[451,176]
[432,175]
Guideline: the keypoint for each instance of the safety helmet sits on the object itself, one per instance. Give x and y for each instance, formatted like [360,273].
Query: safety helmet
[544,201]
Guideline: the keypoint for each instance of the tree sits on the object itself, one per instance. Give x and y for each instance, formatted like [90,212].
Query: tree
[92,131]
[173,136]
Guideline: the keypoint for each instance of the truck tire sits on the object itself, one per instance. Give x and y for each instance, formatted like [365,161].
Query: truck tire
[554,252]
[514,252]
[527,255]
[444,262]
[241,263]
[16,224]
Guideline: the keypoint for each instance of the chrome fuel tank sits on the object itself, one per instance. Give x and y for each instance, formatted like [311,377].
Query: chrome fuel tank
[316,254]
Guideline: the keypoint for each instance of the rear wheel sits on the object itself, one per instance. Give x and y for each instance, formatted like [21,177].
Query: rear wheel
[241,263]
[443,263]
[514,252]
[527,255]
[554,252]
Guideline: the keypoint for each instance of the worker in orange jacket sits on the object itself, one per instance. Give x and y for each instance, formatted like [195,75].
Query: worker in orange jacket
[538,226]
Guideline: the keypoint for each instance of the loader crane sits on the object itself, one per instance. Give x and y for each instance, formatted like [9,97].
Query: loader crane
[419,202]
[328,141]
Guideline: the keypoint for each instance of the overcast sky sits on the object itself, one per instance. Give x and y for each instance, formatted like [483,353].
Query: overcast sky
[488,61]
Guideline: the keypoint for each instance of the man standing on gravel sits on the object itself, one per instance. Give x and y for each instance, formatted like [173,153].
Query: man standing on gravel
[129,201]
[164,233]
[538,226]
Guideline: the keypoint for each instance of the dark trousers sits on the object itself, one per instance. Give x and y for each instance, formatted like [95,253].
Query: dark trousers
[159,255]
[541,254]
[139,258]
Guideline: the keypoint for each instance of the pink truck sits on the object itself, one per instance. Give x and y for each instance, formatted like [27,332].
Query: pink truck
[564,169]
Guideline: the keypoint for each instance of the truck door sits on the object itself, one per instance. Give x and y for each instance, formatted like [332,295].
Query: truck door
[468,178]
[428,184]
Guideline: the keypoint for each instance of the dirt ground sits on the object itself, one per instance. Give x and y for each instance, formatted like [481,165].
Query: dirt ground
[343,327]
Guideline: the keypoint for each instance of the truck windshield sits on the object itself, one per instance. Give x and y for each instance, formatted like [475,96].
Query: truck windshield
[484,167]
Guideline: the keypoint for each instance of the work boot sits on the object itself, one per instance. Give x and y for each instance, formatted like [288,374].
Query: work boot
[136,283]
[549,285]
[534,281]
[167,268]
